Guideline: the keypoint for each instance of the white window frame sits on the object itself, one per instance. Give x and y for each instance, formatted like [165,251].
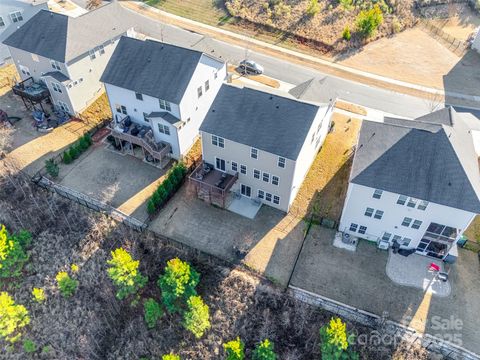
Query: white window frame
[406,221]
[16,16]
[422,205]
[55,64]
[416,224]
[234,166]
[145,115]
[164,129]
[207,85]
[268,197]
[254,153]
[369,212]
[218,141]
[353,227]
[377,194]
[63,106]
[92,55]
[412,201]
[378,214]
[276,199]
[101,49]
[2,22]
[281,162]
[24,70]
[199,92]
[362,229]
[275,180]
[138,96]
[121,109]
[265,175]
[261,194]
[243,169]
[402,200]
[164,105]
[256,174]
[56,87]
[385,237]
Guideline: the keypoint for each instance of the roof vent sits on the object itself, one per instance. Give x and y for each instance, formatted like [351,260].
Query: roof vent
[213,110]
[277,107]
[449,183]
[271,97]
[149,59]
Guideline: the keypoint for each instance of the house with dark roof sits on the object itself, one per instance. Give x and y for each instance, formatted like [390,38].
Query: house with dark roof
[68,54]
[261,143]
[414,184]
[165,88]
[13,14]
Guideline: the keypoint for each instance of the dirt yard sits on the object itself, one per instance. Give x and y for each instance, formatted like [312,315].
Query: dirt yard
[460,23]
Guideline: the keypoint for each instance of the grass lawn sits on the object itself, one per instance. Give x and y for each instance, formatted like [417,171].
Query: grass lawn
[325,186]
[473,231]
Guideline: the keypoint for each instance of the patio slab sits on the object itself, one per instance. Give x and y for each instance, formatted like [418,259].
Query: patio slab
[245,207]
[412,271]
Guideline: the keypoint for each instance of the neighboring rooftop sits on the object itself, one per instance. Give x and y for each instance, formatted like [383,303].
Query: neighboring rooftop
[430,158]
[313,90]
[149,67]
[165,116]
[64,38]
[265,121]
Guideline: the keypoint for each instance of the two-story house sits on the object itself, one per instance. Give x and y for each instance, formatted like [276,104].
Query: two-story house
[414,182]
[163,87]
[68,55]
[262,143]
[13,14]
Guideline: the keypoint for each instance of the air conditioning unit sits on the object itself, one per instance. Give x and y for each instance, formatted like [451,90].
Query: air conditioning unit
[383,244]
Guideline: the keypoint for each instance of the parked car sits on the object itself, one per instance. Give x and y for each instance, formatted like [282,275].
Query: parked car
[251,67]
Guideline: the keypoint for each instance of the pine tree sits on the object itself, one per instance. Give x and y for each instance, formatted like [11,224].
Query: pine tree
[196,318]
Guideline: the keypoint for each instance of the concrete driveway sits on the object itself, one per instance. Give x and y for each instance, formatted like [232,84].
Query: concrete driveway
[359,279]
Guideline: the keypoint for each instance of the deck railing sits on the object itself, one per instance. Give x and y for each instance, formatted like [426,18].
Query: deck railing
[212,188]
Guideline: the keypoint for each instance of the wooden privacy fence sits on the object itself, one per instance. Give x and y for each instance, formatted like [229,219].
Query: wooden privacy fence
[453,44]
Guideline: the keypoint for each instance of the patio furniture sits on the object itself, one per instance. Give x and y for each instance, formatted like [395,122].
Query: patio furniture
[433,267]
[442,276]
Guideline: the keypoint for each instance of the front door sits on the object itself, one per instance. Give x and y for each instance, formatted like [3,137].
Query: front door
[220,164]
[432,248]
[246,190]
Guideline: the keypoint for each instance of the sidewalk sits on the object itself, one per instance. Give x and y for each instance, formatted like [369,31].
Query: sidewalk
[304,59]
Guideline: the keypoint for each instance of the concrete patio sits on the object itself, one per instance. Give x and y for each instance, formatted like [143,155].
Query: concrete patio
[245,207]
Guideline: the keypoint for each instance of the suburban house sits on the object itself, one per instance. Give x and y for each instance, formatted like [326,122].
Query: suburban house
[13,14]
[415,183]
[258,145]
[62,58]
[160,94]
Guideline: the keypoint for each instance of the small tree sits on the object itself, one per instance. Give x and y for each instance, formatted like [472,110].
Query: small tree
[73,152]
[38,295]
[335,341]
[264,351]
[177,284]
[124,273]
[313,8]
[66,284]
[29,346]
[196,318]
[151,207]
[369,20]
[170,357]
[13,254]
[346,33]
[152,312]
[66,158]
[52,168]
[234,350]
[13,317]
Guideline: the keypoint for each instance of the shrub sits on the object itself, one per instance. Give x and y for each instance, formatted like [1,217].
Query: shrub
[234,350]
[38,295]
[74,268]
[73,151]
[335,341]
[151,207]
[177,284]
[346,33]
[170,357]
[88,139]
[51,167]
[124,273]
[168,185]
[13,317]
[347,5]
[46,349]
[313,8]
[29,346]
[196,318]
[66,284]
[152,312]
[264,351]
[67,158]
[13,254]
[369,20]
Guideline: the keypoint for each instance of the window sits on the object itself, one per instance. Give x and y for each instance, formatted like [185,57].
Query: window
[412,202]
[406,241]
[207,85]
[199,92]
[63,106]
[121,109]
[145,116]
[256,174]
[218,141]
[268,197]
[101,50]
[164,105]
[164,129]
[276,199]
[416,224]
[275,180]
[397,238]
[243,169]
[261,194]
[313,138]
[402,199]
[378,214]
[92,54]
[139,96]
[234,166]
[369,212]
[56,87]
[353,227]
[266,177]
[362,229]
[16,16]
[24,70]
[215,75]
[281,162]
[2,23]
[423,205]
[406,221]
[254,153]
[386,236]
[377,194]
[55,65]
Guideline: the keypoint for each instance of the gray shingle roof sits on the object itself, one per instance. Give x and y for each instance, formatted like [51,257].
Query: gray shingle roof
[152,68]
[431,158]
[314,90]
[165,116]
[259,119]
[64,38]
[57,75]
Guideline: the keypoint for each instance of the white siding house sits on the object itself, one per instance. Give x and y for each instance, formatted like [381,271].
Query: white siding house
[268,141]
[68,55]
[414,182]
[164,87]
